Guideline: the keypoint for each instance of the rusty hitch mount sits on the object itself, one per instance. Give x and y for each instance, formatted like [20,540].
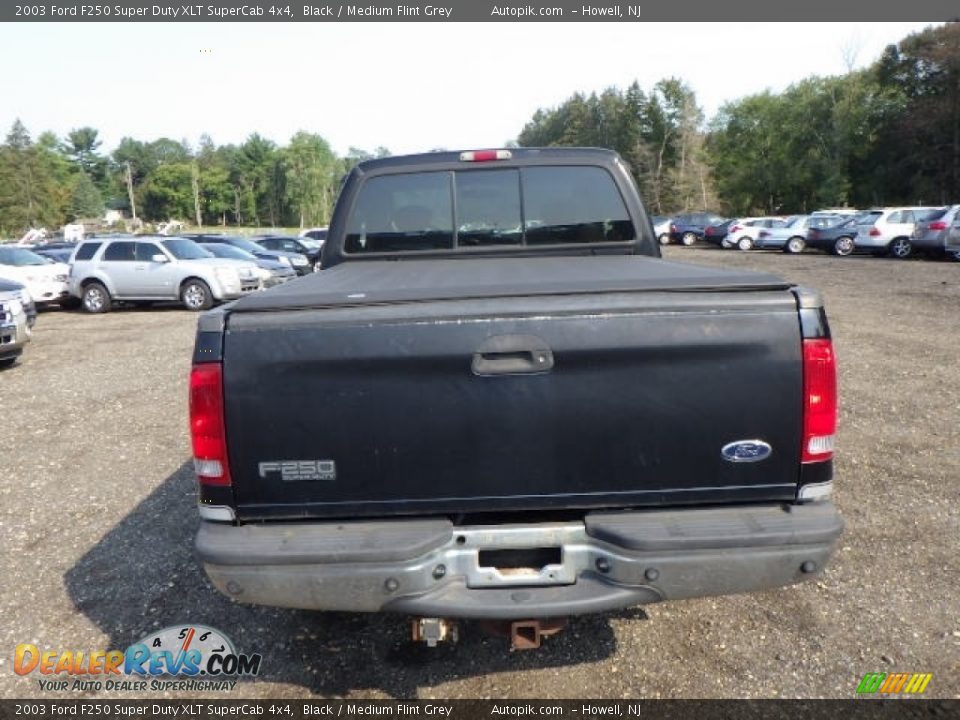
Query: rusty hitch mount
[526,634]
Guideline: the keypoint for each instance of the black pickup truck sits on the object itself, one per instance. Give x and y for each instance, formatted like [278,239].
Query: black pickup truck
[496,401]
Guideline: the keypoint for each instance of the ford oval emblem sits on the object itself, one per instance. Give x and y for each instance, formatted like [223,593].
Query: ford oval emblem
[746,451]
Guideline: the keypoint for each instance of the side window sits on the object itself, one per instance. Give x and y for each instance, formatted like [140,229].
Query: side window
[488,208]
[413,211]
[291,246]
[573,205]
[146,251]
[120,252]
[895,217]
[908,216]
[87,251]
[268,243]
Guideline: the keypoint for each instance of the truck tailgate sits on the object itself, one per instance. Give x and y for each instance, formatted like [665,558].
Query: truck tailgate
[577,396]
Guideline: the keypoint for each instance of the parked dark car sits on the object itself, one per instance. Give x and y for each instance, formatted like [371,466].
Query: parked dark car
[715,234]
[287,243]
[686,229]
[297,261]
[317,233]
[838,239]
[930,234]
[61,255]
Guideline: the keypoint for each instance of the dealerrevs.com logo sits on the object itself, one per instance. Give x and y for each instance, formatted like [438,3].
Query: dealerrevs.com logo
[892,684]
[200,657]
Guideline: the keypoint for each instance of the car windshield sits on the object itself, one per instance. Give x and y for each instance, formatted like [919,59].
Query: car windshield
[868,218]
[309,243]
[227,251]
[248,245]
[795,221]
[183,249]
[21,257]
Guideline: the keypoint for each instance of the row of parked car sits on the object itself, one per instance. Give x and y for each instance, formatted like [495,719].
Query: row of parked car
[896,231]
[95,273]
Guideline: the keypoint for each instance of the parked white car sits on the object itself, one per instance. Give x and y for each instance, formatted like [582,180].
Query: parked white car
[661,228]
[147,269]
[890,230]
[45,280]
[743,232]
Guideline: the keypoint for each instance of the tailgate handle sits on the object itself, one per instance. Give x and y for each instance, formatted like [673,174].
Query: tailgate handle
[512,355]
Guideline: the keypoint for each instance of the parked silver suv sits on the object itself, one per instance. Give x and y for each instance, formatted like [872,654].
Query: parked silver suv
[146,269]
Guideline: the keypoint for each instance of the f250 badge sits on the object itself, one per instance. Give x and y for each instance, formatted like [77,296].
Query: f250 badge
[746,451]
[296,470]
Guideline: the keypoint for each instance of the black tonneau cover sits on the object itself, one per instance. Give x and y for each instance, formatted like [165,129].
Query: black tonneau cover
[391,281]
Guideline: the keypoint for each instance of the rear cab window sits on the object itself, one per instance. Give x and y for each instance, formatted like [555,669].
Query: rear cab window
[463,209]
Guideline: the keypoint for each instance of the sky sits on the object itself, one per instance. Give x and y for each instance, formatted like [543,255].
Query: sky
[409,87]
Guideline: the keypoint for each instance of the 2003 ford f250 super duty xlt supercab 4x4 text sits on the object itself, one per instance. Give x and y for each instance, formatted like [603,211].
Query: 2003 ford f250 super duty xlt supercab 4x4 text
[496,401]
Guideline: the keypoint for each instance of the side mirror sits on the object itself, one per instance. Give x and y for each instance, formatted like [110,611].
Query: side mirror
[159,258]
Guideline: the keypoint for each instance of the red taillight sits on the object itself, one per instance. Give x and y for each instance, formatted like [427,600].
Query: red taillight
[813,234]
[819,400]
[733,229]
[485,155]
[708,230]
[938,225]
[207,426]
[874,232]
[673,228]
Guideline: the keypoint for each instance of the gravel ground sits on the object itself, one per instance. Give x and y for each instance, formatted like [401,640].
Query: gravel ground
[97,519]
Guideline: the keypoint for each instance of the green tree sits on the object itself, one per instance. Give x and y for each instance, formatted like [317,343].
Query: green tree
[28,186]
[312,170]
[253,172]
[168,193]
[81,147]
[660,135]
[86,201]
[57,167]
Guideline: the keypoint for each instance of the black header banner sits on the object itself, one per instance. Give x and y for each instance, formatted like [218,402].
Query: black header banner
[320,709]
[473,11]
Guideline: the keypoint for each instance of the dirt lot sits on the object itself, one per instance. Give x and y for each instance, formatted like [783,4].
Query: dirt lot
[97,519]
